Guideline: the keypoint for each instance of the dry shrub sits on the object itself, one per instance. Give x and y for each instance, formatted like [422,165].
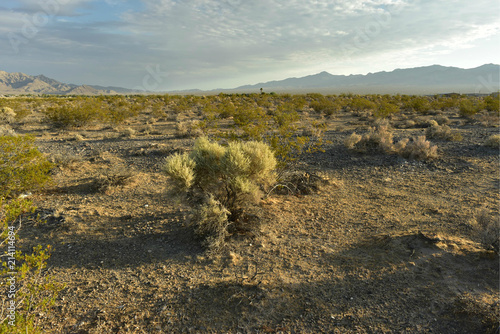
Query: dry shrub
[407,124]
[352,140]
[64,160]
[487,229]
[6,130]
[442,120]
[116,177]
[172,117]
[377,139]
[188,129]
[443,132]
[148,128]
[493,141]
[7,115]
[127,133]
[417,148]
[302,183]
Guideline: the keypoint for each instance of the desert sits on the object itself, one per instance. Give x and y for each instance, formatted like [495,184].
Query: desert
[382,217]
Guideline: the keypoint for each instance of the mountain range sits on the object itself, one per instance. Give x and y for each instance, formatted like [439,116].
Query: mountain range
[433,79]
[20,83]
[420,80]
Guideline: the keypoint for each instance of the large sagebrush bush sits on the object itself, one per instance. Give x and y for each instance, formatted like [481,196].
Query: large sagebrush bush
[221,183]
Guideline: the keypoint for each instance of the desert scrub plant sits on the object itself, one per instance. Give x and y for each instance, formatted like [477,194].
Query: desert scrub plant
[188,129]
[486,228]
[492,103]
[30,292]
[362,104]
[443,132]
[7,130]
[115,177]
[378,139]
[418,148]
[493,141]
[221,184]
[7,115]
[22,166]
[469,106]
[77,113]
[418,104]
[117,111]
[384,109]
[326,106]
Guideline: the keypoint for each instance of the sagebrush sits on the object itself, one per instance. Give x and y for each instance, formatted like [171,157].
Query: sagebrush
[221,183]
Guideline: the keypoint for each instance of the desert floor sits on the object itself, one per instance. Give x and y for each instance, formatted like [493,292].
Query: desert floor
[386,245]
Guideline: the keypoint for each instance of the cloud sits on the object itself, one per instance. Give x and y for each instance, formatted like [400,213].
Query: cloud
[204,43]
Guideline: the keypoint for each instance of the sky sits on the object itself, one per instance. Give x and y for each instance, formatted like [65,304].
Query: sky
[162,45]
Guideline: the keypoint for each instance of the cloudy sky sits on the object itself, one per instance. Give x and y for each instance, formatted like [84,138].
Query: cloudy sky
[179,44]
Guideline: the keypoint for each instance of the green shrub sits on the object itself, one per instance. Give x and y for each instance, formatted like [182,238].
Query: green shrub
[492,103]
[29,291]
[469,106]
[362,104]
[221,183]
[22,166]
[35,294]
[326,106]
[385,109]
[116,112]
[77,113]
[419,104]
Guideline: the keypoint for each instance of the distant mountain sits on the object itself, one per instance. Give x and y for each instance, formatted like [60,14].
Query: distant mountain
[433,79]
[20,83]
[420,80]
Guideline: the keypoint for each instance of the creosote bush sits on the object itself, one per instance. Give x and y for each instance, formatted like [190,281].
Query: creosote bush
[22,166]
[26,306]
[221,184]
